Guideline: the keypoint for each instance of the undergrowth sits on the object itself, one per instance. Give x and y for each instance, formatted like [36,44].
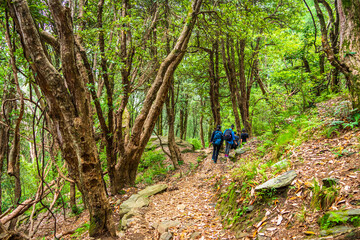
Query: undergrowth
[152,167]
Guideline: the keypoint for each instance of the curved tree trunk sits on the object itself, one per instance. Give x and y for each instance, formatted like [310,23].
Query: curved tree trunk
[69,107]
[349,16]
[14,162]
[153,103]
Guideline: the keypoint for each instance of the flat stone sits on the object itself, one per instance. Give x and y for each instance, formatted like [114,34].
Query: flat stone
[154,143]
[335,230]
[166,236]
[328,182]
[135,201]
[240,151]
[278,182]
[152,190]
[154,225]
[250,208]
[181,207]
[194,235]
[164,226]
[343,215]
[282,164]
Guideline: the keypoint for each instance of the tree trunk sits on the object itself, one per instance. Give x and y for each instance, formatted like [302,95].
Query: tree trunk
[153,103]
[69,108]
[347,28]
[184,117]
[14,162]
[195,117]
[335,84]
[175,153]
[214,81]
[229,65]
[73,198]
[242,94]
[244,85]
[349,16]
[201,123]
[159,125]
[4,136]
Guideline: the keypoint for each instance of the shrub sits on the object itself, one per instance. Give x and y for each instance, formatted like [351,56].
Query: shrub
[196,142]
[151,166]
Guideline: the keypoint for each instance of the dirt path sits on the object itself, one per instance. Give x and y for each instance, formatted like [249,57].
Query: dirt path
[191,201]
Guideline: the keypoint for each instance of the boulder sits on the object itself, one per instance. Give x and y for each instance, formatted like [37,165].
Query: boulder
[278,182]
[164,226]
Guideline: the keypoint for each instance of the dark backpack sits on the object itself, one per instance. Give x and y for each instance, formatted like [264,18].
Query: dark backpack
[227,135]
[217,138]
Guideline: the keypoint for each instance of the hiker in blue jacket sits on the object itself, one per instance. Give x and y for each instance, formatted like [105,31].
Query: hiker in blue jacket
[229,138]
[216,140]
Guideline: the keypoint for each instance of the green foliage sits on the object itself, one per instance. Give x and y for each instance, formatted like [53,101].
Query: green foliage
[323,197]
[331,219]
[152,166]
[326,223]
[343,110]
[296,130]
[196,142]
[81,230]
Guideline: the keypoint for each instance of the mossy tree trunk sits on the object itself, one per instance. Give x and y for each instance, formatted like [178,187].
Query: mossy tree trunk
[69,106]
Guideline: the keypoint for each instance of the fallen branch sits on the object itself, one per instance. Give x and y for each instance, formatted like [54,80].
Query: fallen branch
[161,145]
[24,206]
[66,233]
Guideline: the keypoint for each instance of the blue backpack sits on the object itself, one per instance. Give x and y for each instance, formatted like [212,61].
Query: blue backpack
[217,138]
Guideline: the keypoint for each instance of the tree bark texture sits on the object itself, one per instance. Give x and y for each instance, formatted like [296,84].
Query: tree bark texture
[4,135]
[69,107]
[214,81]
[343,55]
[202,103]
[184,116]
[245,85]
[349,18]
[14,162]
[144,124]
[175,153]
[228,55]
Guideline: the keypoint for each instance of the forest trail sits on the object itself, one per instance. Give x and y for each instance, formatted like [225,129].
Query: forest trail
[190,202]
[289,215]
[189,205]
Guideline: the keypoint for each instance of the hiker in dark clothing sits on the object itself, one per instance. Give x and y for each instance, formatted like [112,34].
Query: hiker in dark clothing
[243,137]
[229,137]
[216,140]
[236,141]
